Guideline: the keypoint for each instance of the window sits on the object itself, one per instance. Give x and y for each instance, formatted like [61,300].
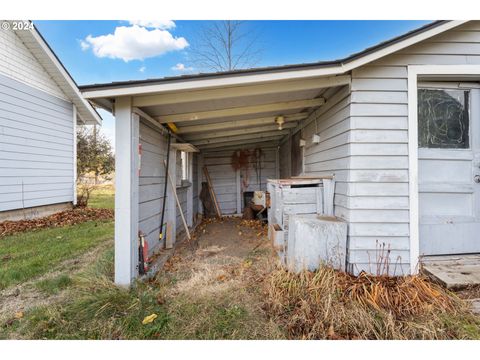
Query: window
[443,118]
[184,165]
[182,168]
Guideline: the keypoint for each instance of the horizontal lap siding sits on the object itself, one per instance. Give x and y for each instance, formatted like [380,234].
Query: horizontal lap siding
[377,195]
[224,176]
[36,147]
[151,183]
[331,155]
[182,197]
[17,62]
[285,159]
[195,184]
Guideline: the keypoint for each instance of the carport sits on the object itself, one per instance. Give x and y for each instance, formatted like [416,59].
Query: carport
[216,115]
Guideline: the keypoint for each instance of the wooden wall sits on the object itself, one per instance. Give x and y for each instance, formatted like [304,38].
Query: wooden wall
[224,177]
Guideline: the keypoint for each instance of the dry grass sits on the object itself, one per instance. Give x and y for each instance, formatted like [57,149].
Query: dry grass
[327,304]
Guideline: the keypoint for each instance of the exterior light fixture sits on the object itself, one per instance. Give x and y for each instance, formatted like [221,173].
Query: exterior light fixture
[280,120]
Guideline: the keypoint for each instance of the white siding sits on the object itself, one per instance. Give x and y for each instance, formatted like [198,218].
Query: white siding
[224,176]
[17,62]
[195,184]
[36,147]
[151,183]
[377,188]
[332,155]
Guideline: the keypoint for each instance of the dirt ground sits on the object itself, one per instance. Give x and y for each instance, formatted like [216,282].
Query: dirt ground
[25,296]
[221,268]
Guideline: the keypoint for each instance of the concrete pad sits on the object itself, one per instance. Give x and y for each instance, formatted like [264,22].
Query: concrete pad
[453,271]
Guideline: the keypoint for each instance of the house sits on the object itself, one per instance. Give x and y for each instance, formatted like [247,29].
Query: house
[40,107]
[397,125]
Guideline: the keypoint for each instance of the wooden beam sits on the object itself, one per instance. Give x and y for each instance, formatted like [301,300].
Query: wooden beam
[235,124]
[240,137]
[264,144]
[251,130]
[243,110]
[240,142]
[155,123]
[239,91]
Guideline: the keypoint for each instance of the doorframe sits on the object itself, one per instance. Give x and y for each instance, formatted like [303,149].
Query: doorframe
[413,73]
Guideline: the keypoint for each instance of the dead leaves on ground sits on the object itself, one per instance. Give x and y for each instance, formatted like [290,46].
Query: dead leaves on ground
[64,218]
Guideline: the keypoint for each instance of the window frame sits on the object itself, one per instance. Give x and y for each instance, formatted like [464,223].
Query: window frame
[445,87]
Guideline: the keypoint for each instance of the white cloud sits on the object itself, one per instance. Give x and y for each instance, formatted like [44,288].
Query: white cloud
[156,24]
[181,68]
[133,43]
[84,45]
[142,69]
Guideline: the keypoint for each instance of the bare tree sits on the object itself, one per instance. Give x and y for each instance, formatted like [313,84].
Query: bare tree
[226,45]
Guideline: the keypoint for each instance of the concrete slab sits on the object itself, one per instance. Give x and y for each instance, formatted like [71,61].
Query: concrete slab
[453,271]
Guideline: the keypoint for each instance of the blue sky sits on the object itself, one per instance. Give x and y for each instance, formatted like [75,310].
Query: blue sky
[102,51]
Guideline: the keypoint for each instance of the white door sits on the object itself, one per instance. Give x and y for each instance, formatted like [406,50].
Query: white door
[449,170]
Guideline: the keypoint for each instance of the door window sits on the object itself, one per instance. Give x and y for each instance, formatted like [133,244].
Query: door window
[443,118]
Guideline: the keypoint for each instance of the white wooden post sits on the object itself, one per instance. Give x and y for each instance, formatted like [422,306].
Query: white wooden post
[189,159]
[171,215]
[126,192]
[200,180]
[74,155]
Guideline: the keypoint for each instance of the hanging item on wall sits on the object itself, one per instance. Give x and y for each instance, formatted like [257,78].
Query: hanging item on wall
[240,162]
[256,159]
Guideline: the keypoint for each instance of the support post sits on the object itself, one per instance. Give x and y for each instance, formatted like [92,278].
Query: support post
[126,192]
[74,155]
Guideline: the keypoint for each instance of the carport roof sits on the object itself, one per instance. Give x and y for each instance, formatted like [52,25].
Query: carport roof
[270,69]
[242,107]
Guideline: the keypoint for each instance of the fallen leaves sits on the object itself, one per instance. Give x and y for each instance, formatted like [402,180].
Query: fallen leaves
[19,315]
[149,319]
[64,218]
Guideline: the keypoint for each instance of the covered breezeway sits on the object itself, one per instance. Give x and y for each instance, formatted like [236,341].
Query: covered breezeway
[215,116]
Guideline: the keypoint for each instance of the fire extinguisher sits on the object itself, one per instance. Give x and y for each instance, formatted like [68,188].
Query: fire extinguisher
[143,259]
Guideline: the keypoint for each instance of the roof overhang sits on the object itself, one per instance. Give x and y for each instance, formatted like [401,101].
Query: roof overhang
[271,74]
[236,108]
[34,41]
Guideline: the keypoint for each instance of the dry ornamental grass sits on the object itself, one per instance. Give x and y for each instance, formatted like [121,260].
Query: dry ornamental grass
[327,304]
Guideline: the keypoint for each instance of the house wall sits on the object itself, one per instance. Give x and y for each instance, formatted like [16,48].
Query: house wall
[195,184]
[36,145]
[224,177]
[378,183]
[18,63]
[151,183]
[332,154]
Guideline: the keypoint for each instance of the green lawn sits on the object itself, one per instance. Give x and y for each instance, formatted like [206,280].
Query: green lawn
[103,198]
[28,255]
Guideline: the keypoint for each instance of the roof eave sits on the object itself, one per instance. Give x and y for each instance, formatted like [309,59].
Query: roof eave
[89,115]
[250,76]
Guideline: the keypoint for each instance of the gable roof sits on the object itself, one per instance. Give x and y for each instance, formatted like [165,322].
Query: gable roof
[245,76]
[37,45]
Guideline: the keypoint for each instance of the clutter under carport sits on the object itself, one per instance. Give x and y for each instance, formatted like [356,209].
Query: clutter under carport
[302,227]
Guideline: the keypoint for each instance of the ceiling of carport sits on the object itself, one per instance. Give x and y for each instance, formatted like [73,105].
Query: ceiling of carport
[239,114]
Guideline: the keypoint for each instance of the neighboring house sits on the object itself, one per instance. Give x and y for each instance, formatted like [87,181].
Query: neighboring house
[40,107]
[398,126]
